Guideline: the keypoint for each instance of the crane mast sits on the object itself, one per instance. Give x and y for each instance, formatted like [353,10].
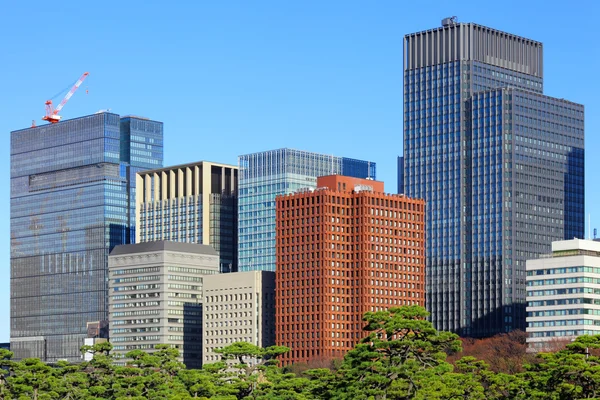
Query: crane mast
[51,112]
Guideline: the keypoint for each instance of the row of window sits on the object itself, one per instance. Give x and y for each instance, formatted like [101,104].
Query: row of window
[137,279]
[563,270]
[563,281]
[566,311]
[563,322]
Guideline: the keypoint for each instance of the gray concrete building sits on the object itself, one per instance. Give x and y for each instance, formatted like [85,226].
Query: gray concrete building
[155,292]
[238,307]
[192,203]
[563,294]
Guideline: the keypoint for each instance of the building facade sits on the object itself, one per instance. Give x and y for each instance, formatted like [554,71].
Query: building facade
[499,164]
[563,293]
[343,249]
[71,203]
[155,297]
[193,203]
[400,175]
[238,307]
[265,175]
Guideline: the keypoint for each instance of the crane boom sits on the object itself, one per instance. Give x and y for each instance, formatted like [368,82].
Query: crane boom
[52,113]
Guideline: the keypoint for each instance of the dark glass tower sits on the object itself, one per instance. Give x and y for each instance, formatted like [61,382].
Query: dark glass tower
[499,164]
[71,202]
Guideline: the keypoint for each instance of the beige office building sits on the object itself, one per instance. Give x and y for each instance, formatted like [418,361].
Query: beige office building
[155,297]
[192,203]
[238,307]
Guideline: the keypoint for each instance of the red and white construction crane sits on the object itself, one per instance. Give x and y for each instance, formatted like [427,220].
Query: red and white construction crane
[51,112]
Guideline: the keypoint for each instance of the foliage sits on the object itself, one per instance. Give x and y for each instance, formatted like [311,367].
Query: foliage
[506,352]
[402,357]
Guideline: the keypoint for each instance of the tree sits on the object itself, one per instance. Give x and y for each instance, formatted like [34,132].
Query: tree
[6,365]
[300,369]
[30,380]
[401,348]
[506,352]
[251,364]
[572,373]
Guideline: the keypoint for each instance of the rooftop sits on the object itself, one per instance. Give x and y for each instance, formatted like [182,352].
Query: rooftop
[575,244]
[475,25]
[163,245]
[192,164]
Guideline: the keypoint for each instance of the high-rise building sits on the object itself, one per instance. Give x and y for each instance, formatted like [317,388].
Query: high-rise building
[71,203]
[563,293]
[193,203]
[238,307]
[155,297]
[400,175]
[499,164]
[343,249]
[265,175]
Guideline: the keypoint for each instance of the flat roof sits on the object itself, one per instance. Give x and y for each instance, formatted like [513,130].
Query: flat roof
[476,25]
[575,244]
[163,245]
[192,164]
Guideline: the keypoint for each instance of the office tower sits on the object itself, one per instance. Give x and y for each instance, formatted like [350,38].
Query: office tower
[499,164]
[70,204]
[238,307]
[343,249]
[194,203]
[400,175]
[155,297]
[563,293]
[141,150]
[265,175]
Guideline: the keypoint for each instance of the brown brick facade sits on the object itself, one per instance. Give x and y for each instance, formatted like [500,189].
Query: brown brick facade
[343,249]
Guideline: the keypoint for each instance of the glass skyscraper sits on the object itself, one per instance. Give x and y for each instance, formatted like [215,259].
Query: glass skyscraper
[265,175]
[500,165]
[71,202]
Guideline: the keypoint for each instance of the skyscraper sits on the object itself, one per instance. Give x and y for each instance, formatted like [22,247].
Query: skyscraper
[71,202]
[499,164]
[343,249]
[193,203]
[267,174]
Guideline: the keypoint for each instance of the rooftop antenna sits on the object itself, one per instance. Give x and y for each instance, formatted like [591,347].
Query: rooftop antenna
[449,21]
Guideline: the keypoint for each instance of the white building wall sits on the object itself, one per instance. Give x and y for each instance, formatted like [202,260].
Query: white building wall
[563,293]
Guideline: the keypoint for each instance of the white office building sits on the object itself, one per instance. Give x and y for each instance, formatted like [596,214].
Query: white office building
[563,293]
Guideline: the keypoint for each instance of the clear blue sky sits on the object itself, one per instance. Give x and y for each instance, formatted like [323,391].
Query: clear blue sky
[234,77]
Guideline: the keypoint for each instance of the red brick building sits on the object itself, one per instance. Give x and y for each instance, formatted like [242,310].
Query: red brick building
[343,249]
